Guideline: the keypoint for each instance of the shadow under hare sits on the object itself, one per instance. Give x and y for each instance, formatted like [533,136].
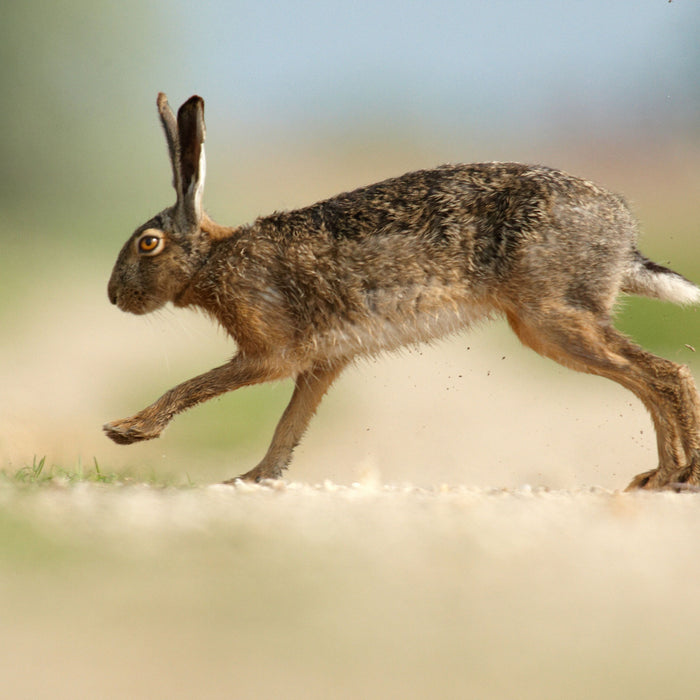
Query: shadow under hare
[407,260]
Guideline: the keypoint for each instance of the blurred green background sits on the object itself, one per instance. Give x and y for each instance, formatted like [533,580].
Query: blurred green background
[304,99]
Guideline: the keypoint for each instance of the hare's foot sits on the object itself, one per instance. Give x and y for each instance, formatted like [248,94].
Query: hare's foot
[260,473]
[133,429]
[680,479]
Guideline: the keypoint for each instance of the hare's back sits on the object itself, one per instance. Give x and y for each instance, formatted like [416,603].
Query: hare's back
[435,204]
[466,220]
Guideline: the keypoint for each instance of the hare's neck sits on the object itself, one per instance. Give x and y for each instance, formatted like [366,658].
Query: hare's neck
[210,287]
[216,232]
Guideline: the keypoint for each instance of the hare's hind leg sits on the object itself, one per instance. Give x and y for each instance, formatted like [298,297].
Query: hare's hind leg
[310,386]
[587,342]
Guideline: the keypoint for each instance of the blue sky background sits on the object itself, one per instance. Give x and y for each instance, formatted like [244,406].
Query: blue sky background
[474,63]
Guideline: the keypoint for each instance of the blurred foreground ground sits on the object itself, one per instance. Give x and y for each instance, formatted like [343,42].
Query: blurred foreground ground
[345,592]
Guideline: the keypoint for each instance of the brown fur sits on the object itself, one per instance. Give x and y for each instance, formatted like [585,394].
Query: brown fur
[404,261]
[216,232]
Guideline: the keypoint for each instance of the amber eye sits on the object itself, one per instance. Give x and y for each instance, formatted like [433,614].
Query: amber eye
[150,243]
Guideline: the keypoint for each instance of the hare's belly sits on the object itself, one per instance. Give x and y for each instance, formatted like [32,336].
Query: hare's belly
[409,316]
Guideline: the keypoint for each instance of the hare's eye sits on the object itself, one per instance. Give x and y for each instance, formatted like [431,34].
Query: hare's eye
[150,244]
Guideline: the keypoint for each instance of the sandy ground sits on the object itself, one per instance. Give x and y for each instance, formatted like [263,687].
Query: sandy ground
[348,591]
[451,529]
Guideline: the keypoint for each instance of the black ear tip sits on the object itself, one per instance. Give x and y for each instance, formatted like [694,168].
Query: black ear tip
[194,101]
[193,110]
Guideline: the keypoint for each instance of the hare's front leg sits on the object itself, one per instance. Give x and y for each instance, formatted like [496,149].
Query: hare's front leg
[309,389]
[150,422]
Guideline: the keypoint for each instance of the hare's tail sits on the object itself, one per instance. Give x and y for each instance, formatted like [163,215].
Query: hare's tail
[646,278]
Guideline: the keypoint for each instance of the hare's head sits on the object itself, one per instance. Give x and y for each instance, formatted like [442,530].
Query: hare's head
[157,262]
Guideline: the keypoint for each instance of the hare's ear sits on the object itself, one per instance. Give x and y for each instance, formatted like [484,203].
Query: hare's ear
[192,164]
[169,123]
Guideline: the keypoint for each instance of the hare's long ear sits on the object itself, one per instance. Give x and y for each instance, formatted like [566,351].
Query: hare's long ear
[169,122]
[191,133]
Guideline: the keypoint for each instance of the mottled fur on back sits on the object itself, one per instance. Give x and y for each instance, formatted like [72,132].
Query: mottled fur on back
[403,261]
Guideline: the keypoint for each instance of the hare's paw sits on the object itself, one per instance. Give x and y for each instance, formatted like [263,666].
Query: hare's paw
[641,481]
[257,475]
[689,479]
[129,430]
[681,479]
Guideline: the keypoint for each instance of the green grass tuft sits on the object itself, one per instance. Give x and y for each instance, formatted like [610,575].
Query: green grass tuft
[39,473]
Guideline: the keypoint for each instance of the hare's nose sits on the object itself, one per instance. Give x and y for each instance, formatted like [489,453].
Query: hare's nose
[112,294]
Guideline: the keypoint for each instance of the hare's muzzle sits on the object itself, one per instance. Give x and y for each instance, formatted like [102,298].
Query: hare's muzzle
[112,292]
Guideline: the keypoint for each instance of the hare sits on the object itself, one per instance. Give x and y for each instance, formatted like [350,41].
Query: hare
[411,259]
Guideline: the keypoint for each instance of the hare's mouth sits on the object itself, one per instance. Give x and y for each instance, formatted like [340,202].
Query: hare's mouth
[138,304]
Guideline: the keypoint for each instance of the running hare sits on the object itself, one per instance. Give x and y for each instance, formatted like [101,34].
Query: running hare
[407,260]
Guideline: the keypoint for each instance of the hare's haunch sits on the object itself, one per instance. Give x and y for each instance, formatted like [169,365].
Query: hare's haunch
[404,261]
